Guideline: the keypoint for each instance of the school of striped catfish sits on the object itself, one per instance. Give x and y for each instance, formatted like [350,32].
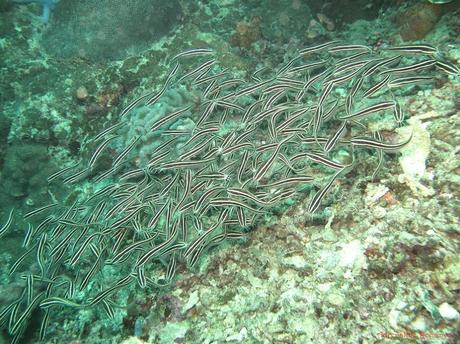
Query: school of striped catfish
[253,144]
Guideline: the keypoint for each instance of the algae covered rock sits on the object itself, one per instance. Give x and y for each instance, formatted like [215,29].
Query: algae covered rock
[106,29]
[418,20]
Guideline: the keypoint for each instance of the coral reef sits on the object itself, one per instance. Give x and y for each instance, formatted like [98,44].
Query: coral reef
[120,254]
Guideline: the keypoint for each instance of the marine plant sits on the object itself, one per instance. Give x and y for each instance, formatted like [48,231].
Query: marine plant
[174,176]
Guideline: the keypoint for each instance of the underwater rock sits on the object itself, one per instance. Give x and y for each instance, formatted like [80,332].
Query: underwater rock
[418,21]
[106,29]
[414,156]
[133,340]
[173,333]
[448,312]
[352,255]
[282,20]
[345,11]
[20,176]
[4,5]
[5,125]
[246,33]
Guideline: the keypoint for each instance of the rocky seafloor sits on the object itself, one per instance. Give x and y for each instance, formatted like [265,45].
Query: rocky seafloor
[378,263]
